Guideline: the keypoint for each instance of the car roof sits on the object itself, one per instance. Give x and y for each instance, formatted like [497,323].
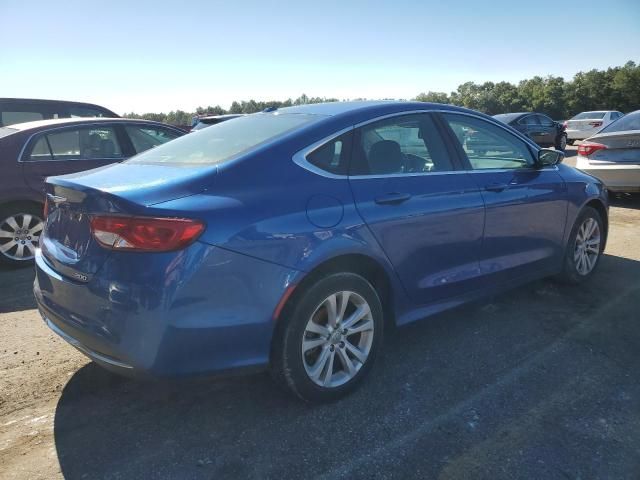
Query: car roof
[375,107]
[226,115]
[79,121]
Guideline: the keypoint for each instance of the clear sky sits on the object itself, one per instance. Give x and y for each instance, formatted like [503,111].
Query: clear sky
[144,55]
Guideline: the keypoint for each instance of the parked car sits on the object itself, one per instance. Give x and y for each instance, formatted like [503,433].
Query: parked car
[613,154]
[586,124]
[207,120]
[30,152]
[538,127]
[20,110]
[288,239]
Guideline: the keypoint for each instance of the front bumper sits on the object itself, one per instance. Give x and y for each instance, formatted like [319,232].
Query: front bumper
[202,310]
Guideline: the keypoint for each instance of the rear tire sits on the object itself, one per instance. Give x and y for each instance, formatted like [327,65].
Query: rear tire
[320,359]
[584,248]
[21,225]
[561,143]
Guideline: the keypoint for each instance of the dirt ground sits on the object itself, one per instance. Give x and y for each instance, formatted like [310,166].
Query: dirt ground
[541,382]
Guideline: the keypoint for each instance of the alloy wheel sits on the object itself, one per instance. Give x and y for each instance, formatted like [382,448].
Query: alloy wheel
[20,235]
[587,248]
[337,339]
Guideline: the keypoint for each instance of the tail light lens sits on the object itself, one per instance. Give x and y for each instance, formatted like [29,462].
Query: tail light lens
[45,209]
[587,148]
[144,233]
[595,124]
[564,125]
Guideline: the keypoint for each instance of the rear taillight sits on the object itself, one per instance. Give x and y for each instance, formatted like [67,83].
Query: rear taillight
[145,233]
[45,209]
[564,125]
[595,124]
[587,148]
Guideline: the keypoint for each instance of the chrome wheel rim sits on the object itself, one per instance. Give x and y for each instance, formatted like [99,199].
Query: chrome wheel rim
[587,246]
[20,235]
[337,339]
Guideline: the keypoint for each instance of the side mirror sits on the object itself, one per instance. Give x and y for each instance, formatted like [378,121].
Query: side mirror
[548,157]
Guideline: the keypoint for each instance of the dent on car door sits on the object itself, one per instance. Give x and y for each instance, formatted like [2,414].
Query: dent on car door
[426,215]
[525,206]
[69,150]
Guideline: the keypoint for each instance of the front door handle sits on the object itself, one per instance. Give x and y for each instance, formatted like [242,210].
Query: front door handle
[495,187]
[393,198]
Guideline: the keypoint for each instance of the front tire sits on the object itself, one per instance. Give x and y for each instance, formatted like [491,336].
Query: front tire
[584,248]
[329,338]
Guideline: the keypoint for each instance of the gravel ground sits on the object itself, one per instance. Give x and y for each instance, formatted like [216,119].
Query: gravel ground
[540,382]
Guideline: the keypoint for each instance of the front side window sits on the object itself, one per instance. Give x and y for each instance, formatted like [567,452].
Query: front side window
[226,140]
[488,146]
[84,143]
[145,137]
[407,144]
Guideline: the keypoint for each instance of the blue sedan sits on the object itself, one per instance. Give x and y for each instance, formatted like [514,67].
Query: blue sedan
[288,239]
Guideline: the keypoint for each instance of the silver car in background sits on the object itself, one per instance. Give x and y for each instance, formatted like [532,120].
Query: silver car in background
[613,154]
[585,124]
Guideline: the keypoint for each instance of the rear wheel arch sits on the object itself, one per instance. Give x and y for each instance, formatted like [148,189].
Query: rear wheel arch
[359,264]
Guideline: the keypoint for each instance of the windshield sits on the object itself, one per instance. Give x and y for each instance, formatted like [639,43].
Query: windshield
[589,115]
[225,140]
[630,121]
[7,131]
[507,117]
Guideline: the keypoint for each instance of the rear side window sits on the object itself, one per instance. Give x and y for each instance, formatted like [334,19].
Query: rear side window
[88,143]
[333,156]
[145,137]
[530,120]
[488,146]
[545,121]
[407,144]
[630,121]
[226,140]
[11,118]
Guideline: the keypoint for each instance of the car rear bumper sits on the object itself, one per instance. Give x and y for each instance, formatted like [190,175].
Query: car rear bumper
[617,178]
[581,134]
[156,319]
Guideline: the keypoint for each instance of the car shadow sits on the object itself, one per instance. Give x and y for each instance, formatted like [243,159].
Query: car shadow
[16,285]
[625,200]
[507,375]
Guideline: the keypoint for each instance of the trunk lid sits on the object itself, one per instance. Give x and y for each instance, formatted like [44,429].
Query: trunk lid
[622,147]
[67,243]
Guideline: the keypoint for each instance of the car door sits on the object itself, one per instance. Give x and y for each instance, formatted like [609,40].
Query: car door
[64,150]
[425,213]
[548,131]
[526,207]
[533,129]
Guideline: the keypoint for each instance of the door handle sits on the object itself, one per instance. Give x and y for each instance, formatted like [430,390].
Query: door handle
[496,187]
[393,198]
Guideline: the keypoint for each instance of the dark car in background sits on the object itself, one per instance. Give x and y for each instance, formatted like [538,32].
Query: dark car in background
[207,120]
[538,127]
[20,110]
[31,152]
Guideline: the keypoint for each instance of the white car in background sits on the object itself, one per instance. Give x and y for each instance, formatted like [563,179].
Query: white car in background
[586,124]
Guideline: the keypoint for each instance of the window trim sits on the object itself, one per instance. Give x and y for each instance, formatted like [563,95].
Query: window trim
[461,165]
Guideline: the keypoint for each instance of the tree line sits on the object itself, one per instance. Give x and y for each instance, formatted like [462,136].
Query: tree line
[616,88]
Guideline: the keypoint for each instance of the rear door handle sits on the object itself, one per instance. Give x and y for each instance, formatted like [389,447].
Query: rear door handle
[496,187]
[393,198]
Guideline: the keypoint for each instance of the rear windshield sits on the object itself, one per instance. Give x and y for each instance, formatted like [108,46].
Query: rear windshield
[630,121]
[225,140]
[7,131]
[588,115]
